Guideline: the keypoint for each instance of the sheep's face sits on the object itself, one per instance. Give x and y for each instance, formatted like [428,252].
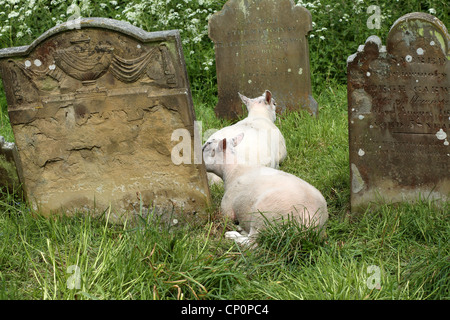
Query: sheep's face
[217,153]
[213,155]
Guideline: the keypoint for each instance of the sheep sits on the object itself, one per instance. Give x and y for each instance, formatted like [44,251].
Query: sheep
[263,143]
[254,193]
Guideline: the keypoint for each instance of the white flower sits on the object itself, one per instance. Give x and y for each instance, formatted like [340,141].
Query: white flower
[432,11]
[322,38]
[197,39]
[13,14]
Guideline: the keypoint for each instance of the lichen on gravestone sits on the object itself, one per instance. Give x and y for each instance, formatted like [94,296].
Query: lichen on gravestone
[399,114]
[262,45]
[92,110]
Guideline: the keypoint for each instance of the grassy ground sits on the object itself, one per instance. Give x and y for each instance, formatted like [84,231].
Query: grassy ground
[404,248]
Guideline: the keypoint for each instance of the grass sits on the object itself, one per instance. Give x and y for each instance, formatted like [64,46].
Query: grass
[147,262]
[409,243]
[403,247]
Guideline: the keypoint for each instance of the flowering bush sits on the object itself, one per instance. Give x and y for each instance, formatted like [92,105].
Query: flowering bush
[22,21]
[338,28]
[191,18]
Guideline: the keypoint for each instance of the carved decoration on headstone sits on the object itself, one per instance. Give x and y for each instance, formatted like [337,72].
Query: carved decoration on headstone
[93,110]
[259,45]
[399,114]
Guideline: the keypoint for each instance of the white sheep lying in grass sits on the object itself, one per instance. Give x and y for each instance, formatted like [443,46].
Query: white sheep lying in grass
[254,189]
[263,142]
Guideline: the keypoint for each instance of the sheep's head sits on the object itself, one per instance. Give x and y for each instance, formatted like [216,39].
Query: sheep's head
[218,153]
[263,105]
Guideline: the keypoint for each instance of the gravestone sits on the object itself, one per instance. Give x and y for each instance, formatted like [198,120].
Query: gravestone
[92,111]
[399,114]
[9,176]
[262,45]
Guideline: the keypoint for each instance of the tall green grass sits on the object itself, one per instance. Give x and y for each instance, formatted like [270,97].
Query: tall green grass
[39,258]
[408,243]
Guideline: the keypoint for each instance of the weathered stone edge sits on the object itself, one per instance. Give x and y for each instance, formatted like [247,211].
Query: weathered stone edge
[106,23]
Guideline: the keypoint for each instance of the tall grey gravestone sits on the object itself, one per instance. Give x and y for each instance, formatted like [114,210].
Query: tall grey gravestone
[399,114]
[259,45]
[93,109]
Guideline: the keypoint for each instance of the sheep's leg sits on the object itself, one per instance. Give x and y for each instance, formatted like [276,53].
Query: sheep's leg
[214,179]
[236,236]
[226,208]
[243,239]
[253,234]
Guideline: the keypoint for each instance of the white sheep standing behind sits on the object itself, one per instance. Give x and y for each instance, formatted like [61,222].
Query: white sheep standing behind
[254,189]
[263,142]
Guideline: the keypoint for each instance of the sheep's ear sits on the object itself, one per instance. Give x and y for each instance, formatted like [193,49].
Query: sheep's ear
[274,105]
[245,100]
[236,140]
[222,145]
[268,96]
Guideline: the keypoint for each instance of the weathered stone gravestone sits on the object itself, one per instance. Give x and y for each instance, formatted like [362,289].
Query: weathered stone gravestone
[259,45]
[93,110]
[399,114]
[9,176]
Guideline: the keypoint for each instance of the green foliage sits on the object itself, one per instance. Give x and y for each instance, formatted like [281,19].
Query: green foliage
[287,240]
[39,256]
[5,127]
[148,260]
[339,27]
[22,21]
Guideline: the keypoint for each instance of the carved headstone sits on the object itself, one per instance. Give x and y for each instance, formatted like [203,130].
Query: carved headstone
[259,45]
[93,110]
[399,114]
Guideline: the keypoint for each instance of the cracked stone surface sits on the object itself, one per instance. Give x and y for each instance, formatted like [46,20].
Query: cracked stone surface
[93,110]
